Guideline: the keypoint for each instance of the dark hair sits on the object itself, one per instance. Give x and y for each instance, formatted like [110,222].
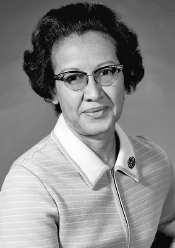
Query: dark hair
[79,18]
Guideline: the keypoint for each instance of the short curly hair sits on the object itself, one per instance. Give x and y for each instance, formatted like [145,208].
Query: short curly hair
[80,18]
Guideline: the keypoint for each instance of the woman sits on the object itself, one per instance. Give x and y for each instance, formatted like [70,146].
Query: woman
[87,184]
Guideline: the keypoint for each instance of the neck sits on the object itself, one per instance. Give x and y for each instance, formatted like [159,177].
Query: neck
[104,146]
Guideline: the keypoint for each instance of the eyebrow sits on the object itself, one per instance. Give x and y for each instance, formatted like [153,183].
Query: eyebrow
[110,62]
[106,63]
[70,69]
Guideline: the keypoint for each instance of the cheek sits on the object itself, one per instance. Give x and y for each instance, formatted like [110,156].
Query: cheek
[117,96]
[66,104]
[69,102]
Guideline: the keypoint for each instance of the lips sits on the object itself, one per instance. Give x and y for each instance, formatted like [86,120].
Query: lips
[96,112]
[92,110]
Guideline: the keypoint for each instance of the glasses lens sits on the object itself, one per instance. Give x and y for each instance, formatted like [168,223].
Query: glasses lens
[75,80]
[107,76]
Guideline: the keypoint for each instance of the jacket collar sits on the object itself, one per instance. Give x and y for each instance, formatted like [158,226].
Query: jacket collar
[85,160]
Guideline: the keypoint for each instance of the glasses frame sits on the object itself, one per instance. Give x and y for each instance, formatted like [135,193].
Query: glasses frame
[95,74]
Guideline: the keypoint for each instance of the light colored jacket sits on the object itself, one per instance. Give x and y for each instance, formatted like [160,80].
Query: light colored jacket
[60,194]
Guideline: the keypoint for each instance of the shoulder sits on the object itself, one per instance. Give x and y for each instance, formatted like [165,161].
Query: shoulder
[42,151]
[142,144]
[40,160]
[150,153]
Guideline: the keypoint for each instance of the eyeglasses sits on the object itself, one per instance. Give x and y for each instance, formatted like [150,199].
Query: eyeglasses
[78,80]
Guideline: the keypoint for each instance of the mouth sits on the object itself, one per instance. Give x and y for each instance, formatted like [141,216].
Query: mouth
[96,112]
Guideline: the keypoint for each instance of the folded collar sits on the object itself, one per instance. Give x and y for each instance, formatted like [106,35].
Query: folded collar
[86,161]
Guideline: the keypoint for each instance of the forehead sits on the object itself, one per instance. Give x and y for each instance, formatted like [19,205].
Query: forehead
[76,46]
[85,36]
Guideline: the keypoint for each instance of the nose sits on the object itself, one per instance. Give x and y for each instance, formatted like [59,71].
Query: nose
[93,91]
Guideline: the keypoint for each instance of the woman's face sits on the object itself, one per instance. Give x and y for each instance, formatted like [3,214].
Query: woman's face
[94,110]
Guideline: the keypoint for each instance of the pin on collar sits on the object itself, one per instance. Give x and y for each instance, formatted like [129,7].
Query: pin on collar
[131,162]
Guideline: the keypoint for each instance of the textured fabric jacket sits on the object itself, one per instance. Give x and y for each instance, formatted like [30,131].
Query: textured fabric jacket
[60,194]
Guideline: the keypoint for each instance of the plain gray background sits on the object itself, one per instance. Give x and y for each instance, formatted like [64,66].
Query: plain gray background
[25,118]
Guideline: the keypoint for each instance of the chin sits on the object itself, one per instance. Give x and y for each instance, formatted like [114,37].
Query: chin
[96,129]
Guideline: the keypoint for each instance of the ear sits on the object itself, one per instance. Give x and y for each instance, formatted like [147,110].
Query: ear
[55,97]
[55,100]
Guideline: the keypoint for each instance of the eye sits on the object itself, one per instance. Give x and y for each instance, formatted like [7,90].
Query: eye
[73,78]
[108,71]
